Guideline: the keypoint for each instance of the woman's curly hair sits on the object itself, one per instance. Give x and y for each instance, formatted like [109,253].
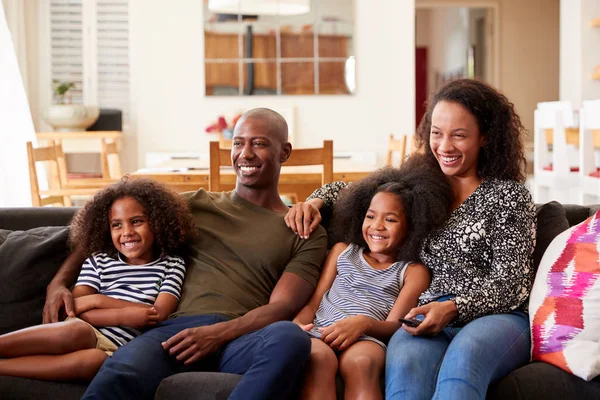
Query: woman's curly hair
[168,215]
[502,155]
[423,190]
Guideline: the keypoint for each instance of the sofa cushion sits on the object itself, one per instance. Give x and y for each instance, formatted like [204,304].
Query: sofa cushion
[551,221]
[28,262]
[565,302]
[197,386]
[13,388]
[541,381]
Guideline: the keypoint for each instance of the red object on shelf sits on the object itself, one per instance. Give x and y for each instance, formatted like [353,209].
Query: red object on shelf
[549,168]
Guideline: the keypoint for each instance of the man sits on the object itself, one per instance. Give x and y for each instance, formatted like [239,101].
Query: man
[247,271]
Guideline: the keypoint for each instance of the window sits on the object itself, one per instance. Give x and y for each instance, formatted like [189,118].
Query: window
[90,46]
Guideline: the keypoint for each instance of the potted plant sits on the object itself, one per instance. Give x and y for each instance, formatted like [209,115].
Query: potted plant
[64,116]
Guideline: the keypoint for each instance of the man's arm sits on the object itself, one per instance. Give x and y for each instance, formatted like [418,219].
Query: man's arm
[289,295]
[58,294]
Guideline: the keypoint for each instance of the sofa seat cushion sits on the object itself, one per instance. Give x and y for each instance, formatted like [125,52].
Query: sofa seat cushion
[197,386]
[12,388]
[28,262]
[543,381]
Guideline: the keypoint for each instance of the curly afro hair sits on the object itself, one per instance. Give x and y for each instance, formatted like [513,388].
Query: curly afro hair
[502,156]
[168,215]
[421,187]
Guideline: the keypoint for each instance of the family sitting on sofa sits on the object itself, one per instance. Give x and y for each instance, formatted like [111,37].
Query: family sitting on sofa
[444,243]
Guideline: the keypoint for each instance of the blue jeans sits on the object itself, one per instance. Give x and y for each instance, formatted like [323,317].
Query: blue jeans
[458,363]
[271,360]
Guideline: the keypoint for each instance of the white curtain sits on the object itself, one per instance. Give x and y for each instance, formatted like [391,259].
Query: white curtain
[16,125]
[14,11]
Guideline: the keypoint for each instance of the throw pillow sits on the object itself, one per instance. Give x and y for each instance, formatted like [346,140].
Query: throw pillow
[564,304]
[551,220]
[28,262]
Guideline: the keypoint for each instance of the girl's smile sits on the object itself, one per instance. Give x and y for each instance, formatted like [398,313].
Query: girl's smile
[384,227]
[130,231]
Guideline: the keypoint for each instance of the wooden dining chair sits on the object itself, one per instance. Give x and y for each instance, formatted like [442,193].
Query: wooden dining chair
[110,167]
[109,157]
[396,145]
[56,194]
[219,157]
[314,156]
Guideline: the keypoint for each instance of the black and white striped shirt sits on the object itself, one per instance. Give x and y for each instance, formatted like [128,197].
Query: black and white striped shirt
[136,283]
[359,289]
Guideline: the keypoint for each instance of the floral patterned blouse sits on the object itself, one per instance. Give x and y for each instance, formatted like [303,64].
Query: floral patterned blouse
[483,254]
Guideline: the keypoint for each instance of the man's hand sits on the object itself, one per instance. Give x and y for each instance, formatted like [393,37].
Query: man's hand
[437,316]
[303,218]
[343,333]
[57,297]
[304,327]
[193,344]
[137,317]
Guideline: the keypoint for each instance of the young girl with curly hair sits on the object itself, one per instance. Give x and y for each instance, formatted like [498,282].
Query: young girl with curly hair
[136,231]
[475,328]
[372,277]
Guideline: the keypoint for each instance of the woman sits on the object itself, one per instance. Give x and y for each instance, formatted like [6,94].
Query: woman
[474,329]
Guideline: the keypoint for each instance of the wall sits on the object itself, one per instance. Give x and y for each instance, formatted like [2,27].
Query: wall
[529,54]
[579,50]
[167,82]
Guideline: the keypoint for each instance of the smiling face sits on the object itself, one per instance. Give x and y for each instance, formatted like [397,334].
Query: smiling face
[130,231]
[385,225]
[257,154]
[455,139]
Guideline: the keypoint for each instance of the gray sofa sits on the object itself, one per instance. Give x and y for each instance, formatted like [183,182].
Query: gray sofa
[33,245]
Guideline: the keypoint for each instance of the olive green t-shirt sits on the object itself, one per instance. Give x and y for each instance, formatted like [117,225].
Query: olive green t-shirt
[240,253]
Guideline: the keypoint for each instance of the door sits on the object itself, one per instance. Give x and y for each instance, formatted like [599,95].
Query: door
[420,83]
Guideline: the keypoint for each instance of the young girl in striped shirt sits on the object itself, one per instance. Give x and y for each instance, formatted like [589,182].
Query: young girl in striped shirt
[372,277]
[135,231]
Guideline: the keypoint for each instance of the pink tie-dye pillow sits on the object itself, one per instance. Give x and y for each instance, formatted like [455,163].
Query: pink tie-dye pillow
[565,302]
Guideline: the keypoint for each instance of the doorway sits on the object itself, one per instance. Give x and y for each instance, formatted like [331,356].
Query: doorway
[453,41]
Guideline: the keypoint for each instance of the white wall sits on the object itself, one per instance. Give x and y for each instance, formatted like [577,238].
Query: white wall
[529,54]
[579,50]
[167,82]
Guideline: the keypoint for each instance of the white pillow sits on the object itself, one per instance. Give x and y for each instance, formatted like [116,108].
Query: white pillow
[564,304]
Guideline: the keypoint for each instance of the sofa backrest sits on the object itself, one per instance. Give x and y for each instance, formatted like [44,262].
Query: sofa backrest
[577,214]
[25,218]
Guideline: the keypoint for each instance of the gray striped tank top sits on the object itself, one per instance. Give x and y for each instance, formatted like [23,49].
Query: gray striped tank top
[359,289]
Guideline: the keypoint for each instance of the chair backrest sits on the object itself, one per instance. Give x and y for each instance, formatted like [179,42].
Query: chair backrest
[218,158]
[398,145]
[315,156]
[48,154]
[109,159]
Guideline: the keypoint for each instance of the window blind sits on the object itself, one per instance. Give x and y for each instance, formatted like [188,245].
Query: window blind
[66,35]
[90,46]
[112,23]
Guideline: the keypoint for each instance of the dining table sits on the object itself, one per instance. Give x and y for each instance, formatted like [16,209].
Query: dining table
[185,174]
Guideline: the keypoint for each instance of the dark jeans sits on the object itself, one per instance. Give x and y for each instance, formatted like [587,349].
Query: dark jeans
[271,360]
